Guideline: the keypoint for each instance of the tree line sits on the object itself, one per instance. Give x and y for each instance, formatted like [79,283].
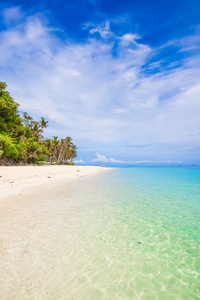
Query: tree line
[22,140]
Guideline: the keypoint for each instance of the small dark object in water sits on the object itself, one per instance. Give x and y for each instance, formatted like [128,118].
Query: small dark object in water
[48,176]
[139,243]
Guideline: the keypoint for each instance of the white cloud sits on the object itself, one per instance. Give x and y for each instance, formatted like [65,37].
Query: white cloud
[98,98]
[104,30]
[102,159]
[79,161]
[12,14]
[129,38]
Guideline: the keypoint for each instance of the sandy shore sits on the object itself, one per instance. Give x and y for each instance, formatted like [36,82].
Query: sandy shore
[15,179]
[44,213]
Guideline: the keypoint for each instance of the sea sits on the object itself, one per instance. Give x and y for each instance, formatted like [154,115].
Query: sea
[128,233]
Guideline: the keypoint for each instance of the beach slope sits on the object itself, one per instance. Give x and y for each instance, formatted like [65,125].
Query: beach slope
[14,179]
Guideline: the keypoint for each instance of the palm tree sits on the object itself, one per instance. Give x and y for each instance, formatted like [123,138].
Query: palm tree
[43,123]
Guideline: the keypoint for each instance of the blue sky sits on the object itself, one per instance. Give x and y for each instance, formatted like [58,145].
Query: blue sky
[122,78]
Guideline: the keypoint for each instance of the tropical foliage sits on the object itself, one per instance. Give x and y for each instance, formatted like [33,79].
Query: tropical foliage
[21,138]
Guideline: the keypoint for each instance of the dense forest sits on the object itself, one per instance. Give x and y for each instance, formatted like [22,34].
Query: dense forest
[21,138]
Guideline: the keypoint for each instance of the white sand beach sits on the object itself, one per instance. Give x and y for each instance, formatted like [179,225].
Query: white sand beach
[14,179]
[42,210]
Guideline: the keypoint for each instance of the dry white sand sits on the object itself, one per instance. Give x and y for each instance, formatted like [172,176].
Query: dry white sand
[15,179]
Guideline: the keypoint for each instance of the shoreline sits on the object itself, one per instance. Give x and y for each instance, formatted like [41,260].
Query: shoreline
[15,179]
[42,217]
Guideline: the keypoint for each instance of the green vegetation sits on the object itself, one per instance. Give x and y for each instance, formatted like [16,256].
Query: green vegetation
[21,139]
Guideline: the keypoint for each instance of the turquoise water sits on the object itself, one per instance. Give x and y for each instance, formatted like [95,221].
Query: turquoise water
[144,240]
[130,233]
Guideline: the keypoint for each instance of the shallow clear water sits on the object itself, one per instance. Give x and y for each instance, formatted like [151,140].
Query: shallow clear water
[131,233]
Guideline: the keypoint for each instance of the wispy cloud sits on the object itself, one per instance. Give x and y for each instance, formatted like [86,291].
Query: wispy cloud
[12,14]
[104,30]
